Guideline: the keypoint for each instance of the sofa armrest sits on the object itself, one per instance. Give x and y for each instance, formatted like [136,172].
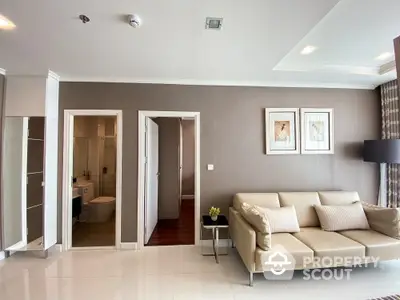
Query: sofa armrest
[244,238]
[383,220]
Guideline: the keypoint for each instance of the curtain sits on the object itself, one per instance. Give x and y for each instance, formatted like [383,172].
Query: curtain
[391,130]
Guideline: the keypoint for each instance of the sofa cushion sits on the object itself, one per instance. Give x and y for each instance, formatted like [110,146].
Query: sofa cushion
[384,220]
[342,217]
[329,244]
[338,197]
[260,199]
[282,219]
[303,203]
[296,248]
[256,217]
[263,240]
[376,244]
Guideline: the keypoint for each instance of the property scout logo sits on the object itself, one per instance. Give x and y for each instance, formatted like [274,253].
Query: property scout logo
[279,264]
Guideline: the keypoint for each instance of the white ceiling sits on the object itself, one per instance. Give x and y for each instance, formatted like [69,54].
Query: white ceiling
[259,44]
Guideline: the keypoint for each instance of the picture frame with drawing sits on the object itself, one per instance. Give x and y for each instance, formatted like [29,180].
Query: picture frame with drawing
[282,131]
[317,131]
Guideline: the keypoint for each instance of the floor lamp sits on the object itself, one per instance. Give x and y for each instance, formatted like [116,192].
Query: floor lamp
[383,152]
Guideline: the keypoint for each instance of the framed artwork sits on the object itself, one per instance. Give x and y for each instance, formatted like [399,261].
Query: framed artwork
[317,131]
[282,130]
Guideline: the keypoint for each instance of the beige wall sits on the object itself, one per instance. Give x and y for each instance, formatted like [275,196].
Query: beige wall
[168,181]
[188,157]
[232,138]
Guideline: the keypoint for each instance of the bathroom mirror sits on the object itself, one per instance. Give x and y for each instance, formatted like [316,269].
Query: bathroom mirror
[22,177]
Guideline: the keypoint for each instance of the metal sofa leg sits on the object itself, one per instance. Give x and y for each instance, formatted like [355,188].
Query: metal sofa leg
[251,277]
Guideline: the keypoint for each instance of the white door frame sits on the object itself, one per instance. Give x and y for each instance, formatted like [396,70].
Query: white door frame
[68,150]
[142,115]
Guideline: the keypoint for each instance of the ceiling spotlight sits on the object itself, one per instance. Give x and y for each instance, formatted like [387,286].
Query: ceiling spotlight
[5,23]
[308,50]
[384,56]
[85,19]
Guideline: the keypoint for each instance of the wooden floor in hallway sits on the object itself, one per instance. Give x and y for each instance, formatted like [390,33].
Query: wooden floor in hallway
[177,231]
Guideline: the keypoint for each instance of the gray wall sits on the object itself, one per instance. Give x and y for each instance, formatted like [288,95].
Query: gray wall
[2,93]
[188,157]
[232,138]
[168,181]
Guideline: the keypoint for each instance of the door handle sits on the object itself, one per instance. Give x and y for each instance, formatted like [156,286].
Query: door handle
[158,174]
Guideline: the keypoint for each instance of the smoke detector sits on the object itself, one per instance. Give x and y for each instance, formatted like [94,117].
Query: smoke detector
[214,23]
[134,21]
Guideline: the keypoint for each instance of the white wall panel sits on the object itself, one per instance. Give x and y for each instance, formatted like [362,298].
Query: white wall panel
[25,96]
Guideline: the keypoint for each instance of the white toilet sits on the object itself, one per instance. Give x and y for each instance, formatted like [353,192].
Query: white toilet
[101,209]
[97,210]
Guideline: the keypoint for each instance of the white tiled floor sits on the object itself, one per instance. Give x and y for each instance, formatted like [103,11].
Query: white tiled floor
[171,273]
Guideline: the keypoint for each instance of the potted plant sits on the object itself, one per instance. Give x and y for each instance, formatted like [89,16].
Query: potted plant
[214,212]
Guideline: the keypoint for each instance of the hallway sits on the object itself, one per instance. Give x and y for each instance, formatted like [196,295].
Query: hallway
[176,231]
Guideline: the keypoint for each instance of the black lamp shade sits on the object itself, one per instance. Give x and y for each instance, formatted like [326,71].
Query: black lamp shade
[382,151]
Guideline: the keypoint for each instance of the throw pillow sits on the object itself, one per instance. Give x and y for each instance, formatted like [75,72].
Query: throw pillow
[271,220]
[255,217]
[282,219]
[342,217]
[263,240]
[259,222]
[384,220]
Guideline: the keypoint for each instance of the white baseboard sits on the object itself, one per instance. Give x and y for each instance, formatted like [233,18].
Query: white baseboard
[128,246]
[221,243]
[187,197]
[58,247]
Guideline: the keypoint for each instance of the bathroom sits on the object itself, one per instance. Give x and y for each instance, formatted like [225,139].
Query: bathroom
[94,181]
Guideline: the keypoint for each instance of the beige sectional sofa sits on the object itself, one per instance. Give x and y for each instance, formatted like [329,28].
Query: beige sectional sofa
[311,242]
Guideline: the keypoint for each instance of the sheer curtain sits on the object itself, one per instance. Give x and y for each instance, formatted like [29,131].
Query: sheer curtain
[391,130]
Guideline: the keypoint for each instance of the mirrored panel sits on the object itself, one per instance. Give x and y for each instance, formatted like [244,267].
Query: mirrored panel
[13,170]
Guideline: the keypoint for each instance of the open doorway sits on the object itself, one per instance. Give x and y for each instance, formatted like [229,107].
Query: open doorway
[168,191]
[92,162]
[175,180]
[94,181]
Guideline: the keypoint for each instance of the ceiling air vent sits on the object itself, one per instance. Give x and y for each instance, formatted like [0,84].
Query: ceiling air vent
[214,23]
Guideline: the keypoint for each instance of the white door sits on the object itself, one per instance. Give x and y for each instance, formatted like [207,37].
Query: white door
[51,177]
[151,190]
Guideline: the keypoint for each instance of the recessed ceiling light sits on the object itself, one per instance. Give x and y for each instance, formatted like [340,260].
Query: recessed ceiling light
[308,50]
[6,23]
[214,23]
[384,56]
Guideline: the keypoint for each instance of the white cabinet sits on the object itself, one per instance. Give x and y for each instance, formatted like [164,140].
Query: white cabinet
[30,163]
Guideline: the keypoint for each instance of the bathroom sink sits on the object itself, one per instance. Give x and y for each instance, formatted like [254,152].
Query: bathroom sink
[82,184]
